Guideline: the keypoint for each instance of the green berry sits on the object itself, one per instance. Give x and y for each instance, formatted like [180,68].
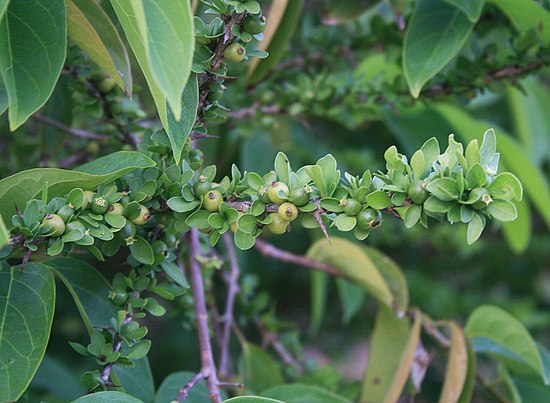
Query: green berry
[118,296]
[143,217]
[254,25]
[277,225]
[262,194]
[352,207]
[211,200]
[299,196]
[417,192]
[234,52]
[196,155]
[106,85]
[65,212]
[288,211]
[278,192]
[115,209]
[368,219]
[128,231]
[54,224]
[201,186]
[99,205]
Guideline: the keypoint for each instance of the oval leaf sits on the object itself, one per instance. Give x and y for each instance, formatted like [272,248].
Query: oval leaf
[457,366]
[101,397]
[296,393]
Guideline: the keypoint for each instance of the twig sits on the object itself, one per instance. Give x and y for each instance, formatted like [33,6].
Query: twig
[184,391]
[83,134]
[105,373]
[208,367]
[227,318]
[269,250]
[274,341]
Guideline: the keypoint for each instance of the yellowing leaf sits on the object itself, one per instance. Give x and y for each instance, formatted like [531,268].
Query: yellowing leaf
[457,366]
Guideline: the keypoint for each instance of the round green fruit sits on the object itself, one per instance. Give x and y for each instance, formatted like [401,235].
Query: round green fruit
[262,194]
[115,209]
[352,207]
[106,85]
[143,217]
[417,192]
[276,192]
[254,25]
[299,196]
[288,211]
[368,219]
[128,231]
[55,224]
[196,155]
[211,200]
[234,52]
[118,296]
[201,186]
[65,212]
[277,225]
[99,205]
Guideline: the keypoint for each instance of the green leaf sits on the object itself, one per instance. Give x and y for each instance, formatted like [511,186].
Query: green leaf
[172,384]
[472,8]
[299,393]
[282,168]
[27,300]
[340,12]
[457,365]
[434,37]
[488,147]
[506,186]
[351,261]
[391,353]
[531,389]
[138,350]
[378,200]
[88,288]
[91,29]
[101,397]
[518,232]
[502,210]
[180,205]
[33,43]
[137,381]
[252,399]
[26,185]
[475,228]
[3,7]
[4,234]
[281,23]
[498,326]
[351,299]
[445,189]
[260,371]
[527,15]
[244,241]
[181,129]
[345,223]
[142,251]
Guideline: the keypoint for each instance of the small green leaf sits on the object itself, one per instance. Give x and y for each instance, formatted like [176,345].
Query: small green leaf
[434,205]
[502,210]
[488,147]
[244,241]
[444,189]
[138,350]
[378,200]
[475,228]
[199,219]
[142,251]
[180,205]
[506,186]
[418,165]
[282,168]
[345,223]
[331,204]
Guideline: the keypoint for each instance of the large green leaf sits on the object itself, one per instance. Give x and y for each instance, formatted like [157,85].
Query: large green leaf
[33,43]
[91,29]
[137,381]
[340,12]
[350,259]
[282,21]
[491,324]
[17,189]
[180,130]
[88,288]
[4,234]
[4,101]
[472,8]
[391,353]
[172,384]
[27,300]
[3,7]
[251,399]
[299,393]
[526,15]
[102,397]
[260,371]
[435,35]
[161,34]
[53,368]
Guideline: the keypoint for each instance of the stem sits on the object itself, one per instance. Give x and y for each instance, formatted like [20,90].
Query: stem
[227,318]
[270,250]
[83,134]
[273,340]
[106,370]
[197,286]
[184,392]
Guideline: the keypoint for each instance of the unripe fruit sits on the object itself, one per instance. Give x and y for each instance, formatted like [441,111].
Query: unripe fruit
[277,225]
[417,192]
[55,224]
[118,296]
[143,216]
[115,209]
[65,212]
[211,200]
[99,205]
[128,231]
[288,211]
[196,155]
[106,85]
[275,190]
[254,25]
[352,207]
[234,52]
[368,219]
[201,186]
[88,197]
[299,196]
[262,194]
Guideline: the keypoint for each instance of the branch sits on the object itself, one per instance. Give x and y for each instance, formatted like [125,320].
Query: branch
[83,134]
[227,318]
[273,340]
[105,373]
[184,392]
[208,370]
[270,250]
